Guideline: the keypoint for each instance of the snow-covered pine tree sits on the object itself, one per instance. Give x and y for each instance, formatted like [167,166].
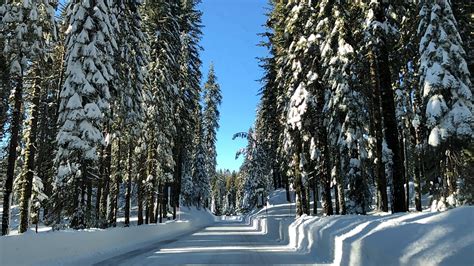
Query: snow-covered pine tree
[210,121]
[380,31]
[131,74]
[41,22]
[300,100]
[231,196]
[187,190]
[331,42]
[268,115]
[277,25]
[38,198]
[406,93]
[319,151]
[90,46]
[447,95]
[13,25]
[48,113]
[28,29]
[218,195]
[161,21]
[254,171]
[345,111]
[462,10]
[187,109]
[249,183]
[201,181]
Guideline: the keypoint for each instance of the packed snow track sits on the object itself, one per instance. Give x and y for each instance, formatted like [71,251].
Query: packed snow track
[225,242]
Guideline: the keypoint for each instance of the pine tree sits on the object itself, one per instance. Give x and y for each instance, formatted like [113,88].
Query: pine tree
[161,21]
[131,74]
[13,20]
[188,105]
[42,23]
[29,30]
[447,94]
[84,101]
[380,29]
[406,93]
[276,23]
[212,100]
[348,102]
[201,181]
[462,10]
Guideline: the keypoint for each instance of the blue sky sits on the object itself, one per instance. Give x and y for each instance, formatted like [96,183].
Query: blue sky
[230,41]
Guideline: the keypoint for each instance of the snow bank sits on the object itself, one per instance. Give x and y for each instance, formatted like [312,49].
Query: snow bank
[426,238]
[83,246]
[445,238]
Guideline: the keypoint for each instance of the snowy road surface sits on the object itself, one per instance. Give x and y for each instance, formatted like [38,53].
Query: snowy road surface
[226,242]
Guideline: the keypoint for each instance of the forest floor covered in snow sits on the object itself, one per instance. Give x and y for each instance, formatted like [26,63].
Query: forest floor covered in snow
[270,235]
[75,247]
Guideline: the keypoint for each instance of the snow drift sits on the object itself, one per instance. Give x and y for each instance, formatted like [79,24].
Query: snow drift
[425,238]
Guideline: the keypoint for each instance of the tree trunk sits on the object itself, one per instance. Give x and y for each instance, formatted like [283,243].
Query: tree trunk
[165,201]
[89,203]
[175,199]
[287,188]
[299,186]
[179,155]
[161,199]
[341,197]
[407,175]
[12,155]
[105,198]
[417,185]
[157,205]
[115,192]
[339,187]
[390,123]
[151,171]
[140,193]
[128,191]
[376,126]
[100,182]
[30,152]
[315,196]
[325,172]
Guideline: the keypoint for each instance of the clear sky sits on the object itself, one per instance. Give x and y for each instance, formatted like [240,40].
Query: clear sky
[230,41]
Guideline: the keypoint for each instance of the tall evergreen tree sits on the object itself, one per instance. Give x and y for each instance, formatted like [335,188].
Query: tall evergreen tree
[212,100]
[84,101]
[447,95]
[380,30]
[201,180]
[132,76]
[29,29]
[187,110]
[42,23]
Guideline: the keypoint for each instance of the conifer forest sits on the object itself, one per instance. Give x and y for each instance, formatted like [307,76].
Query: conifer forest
[361,145]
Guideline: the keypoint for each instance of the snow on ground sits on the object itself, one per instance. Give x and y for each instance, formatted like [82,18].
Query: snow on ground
[423,238]
[71,246]
[270,235]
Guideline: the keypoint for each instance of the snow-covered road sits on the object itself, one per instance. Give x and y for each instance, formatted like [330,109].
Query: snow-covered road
[226,242]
